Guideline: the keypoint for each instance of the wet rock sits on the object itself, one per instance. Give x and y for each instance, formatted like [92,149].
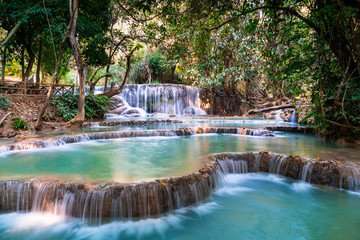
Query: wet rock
[294,129]
[286,114]
[119,110]
[133,111]
[316,171]
[303,111]
[269,115]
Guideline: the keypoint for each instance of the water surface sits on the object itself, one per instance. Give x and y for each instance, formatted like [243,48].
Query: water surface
[133,159]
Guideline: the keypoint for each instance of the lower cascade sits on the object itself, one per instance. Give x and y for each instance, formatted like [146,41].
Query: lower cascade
[39,144]
[153,198]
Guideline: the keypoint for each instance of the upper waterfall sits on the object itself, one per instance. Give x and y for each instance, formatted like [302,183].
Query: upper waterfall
[160,98]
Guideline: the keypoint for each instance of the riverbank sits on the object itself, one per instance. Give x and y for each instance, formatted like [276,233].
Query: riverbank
[27,108]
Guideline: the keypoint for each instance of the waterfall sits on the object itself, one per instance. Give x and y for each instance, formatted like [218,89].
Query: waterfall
[293,117]
[155,197]
[306,171]
[275,163]
[277,115]
[231,166]
[118,201]
[161,98]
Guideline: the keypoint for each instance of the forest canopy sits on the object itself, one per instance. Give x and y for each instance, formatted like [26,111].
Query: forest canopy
[250,49]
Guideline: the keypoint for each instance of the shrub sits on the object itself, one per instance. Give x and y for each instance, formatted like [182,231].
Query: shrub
[157,62]
[95,106]
[66,105]
[19,123]
[5,103]
[160,68]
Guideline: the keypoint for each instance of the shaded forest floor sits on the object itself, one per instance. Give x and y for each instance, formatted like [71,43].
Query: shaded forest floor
[27,108]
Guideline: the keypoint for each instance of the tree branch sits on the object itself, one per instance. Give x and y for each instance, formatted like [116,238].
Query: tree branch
[114,92]
[285,9]
[13,31]
[146,19]
[51,90]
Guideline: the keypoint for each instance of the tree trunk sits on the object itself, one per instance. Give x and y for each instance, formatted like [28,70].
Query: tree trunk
[22,64]
[30,64]
[92,84]
[107,75]
[271,108]
[4,118]
[39,61]
[114,92]
[80,116]
[3,65]
[11,34]
[148,70]
[51,90]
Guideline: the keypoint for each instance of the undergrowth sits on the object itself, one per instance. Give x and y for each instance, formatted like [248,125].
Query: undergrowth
[19,123]
[66,105]
[5,103]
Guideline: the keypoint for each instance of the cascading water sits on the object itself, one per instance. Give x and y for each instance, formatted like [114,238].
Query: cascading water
[275,163]
[306,171]
[293,117]
[167,98]
[160,98]
[40,144]
[147,199]
[277,115]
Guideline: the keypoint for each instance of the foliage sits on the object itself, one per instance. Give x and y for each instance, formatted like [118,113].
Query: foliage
[96,106]
[5,103]
[66,105]
[156,64]
[19,123]
[292,49]
[46,21]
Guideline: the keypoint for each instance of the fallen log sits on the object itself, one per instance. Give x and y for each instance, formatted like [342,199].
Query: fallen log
[4,118]
[271,108]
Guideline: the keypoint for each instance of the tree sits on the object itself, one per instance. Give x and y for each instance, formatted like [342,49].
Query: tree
[322,35]
[41,22]
[57,67]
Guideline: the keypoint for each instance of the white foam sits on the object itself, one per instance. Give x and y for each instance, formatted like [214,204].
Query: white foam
[301,186]
[27,221]
[239,178]
[205,208]
[232,191]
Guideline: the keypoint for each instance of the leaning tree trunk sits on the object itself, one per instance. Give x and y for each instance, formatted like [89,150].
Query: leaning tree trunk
[11,34]
[80,116]
[92,84]
[107,77]
[116,91]
[51,90]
